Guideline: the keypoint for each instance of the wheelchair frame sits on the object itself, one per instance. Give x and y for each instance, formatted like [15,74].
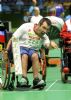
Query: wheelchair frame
[65,62]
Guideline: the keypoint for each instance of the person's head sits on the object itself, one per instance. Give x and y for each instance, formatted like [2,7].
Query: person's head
[42,27]
[34,2]
[36,11]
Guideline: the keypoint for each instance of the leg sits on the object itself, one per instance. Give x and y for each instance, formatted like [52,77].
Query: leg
[24,81]
[24,59]
[24,64]
[35,64]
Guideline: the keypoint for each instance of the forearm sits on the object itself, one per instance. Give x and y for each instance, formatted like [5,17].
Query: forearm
[51,45]
[9,44]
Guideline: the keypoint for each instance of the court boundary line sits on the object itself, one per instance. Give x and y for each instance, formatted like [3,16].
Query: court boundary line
[48,89]
[60,90]
[51,85]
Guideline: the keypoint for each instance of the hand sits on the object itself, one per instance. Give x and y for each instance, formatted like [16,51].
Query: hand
[14,39]
[69,41]
[53,44]
[5,55]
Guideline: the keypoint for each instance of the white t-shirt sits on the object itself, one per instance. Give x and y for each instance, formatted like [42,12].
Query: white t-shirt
[36,19]
[28,38]
[56,21]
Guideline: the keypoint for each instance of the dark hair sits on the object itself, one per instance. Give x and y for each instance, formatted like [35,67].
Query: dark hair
[45,20]
[70,9]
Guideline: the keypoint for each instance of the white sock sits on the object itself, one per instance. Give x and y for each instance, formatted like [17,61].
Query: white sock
[0,80]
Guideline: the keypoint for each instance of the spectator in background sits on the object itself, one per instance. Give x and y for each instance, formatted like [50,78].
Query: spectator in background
[69,14]
[41,4]
[26,17]
[31,8]
[5,7]
[34,1]
[19,5]
[53,11]
[36,17]
[49,8]
[59,10]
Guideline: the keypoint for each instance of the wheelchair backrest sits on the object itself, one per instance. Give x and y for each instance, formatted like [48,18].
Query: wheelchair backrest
[2,36]
[5,35]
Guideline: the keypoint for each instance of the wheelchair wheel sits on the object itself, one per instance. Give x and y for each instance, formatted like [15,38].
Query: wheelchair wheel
[43,69]
[64,77]
[5,72]
[43,64]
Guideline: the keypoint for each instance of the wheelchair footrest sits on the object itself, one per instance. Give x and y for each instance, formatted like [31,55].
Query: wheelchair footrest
[11,86]
[40,87]
[29,87]
[23,88]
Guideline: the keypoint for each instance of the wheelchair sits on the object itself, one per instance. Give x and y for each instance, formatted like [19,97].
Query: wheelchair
[4,36]
[7,66]
[9,78]
[65,60]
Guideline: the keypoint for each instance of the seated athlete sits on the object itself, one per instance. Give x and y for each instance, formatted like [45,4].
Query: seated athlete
[66,31]
[31,38]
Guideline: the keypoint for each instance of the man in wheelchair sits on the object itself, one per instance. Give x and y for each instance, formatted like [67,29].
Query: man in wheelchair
[65,34]
[31,38]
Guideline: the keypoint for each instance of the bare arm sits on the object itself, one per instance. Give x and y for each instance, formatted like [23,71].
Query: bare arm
[9,44]
[52,45]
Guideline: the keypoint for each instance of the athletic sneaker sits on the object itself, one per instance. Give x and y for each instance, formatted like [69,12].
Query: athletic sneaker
[0,80]
[38,82]
[24,81]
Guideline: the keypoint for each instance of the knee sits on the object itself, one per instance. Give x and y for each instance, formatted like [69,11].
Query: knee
[35,56]
[24,57]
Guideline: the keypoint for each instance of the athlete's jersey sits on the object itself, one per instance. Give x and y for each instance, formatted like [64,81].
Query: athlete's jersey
[66,30]
[28,38]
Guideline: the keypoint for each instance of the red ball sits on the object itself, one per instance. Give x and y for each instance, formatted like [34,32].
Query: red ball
[66,70]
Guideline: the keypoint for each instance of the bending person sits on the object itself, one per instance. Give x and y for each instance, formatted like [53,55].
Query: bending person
[32,37]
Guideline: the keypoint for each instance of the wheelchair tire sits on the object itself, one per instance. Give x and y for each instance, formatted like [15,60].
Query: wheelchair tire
[5,73]
[64,77]
[43,71]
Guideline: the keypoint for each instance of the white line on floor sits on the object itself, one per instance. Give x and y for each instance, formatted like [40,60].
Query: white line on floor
[60,90]
[51,85]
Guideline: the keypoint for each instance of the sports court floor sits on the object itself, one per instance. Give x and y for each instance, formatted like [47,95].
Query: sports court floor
[54,90]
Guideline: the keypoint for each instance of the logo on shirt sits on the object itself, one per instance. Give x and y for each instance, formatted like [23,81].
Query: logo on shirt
[33,36]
